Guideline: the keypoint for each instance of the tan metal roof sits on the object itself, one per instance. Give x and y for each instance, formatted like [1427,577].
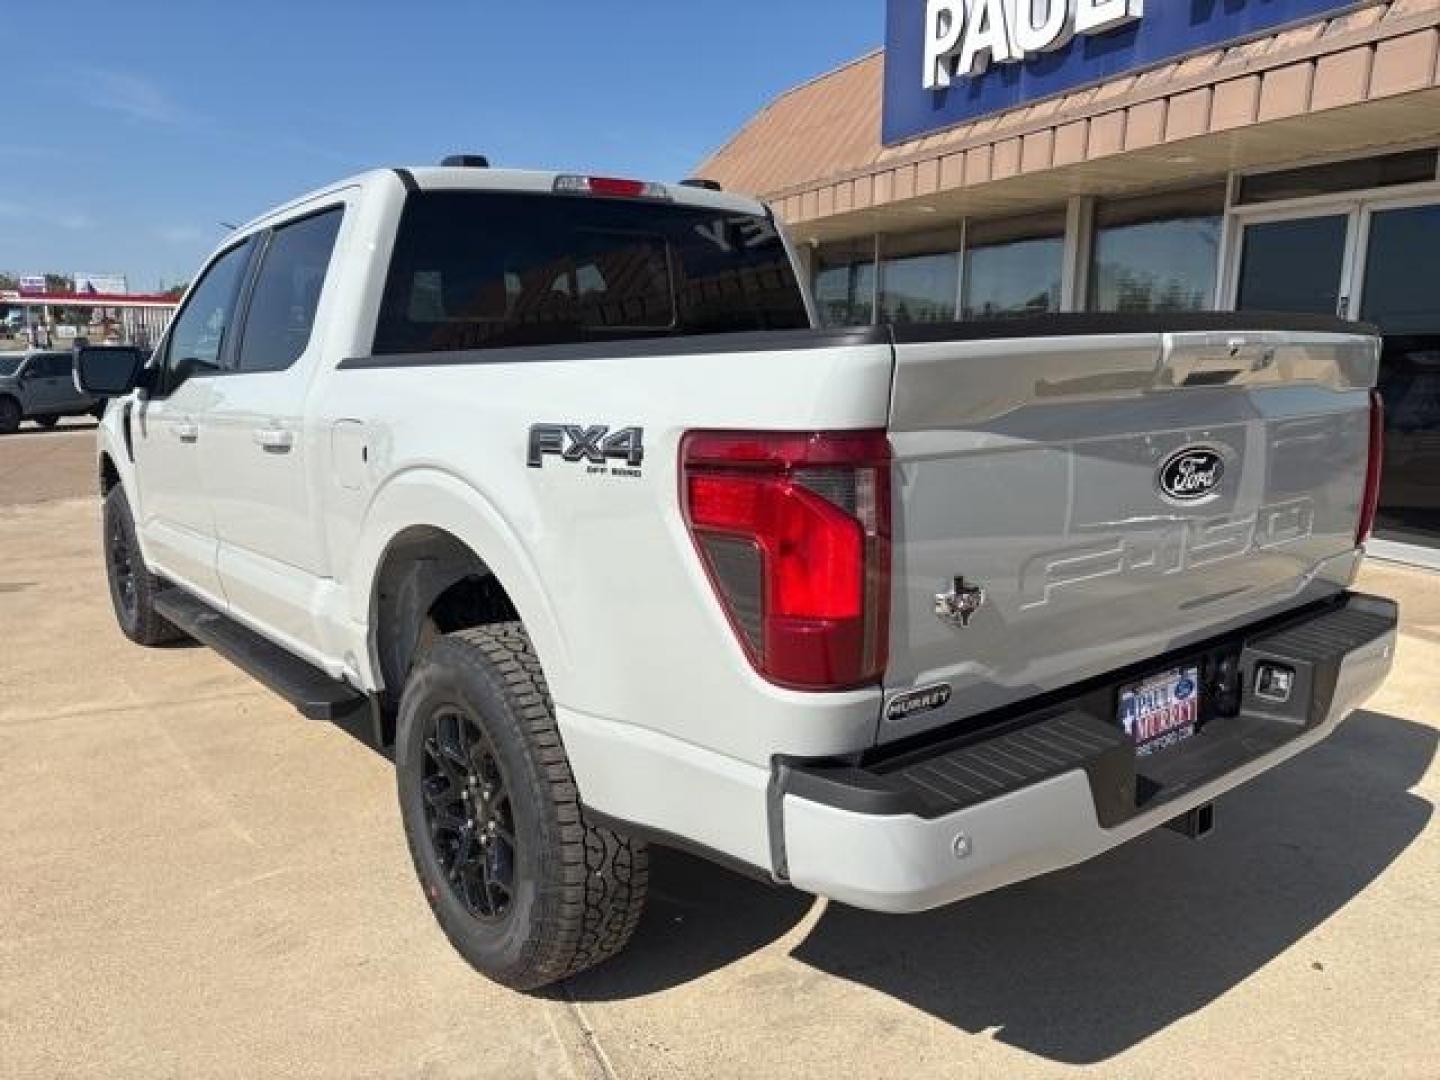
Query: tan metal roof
[827,126]
[1365,78]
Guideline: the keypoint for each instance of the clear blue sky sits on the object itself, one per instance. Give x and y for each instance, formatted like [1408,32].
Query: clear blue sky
[132,128]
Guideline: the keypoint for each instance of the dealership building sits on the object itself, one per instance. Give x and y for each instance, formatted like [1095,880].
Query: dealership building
[1008,157]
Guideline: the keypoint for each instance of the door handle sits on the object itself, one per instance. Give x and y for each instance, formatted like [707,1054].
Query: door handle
[187,431]
[274,440]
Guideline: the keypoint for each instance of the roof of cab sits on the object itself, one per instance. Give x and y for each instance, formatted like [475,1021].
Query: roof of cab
[475,178]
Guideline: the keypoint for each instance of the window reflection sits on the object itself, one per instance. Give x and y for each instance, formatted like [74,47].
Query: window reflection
[1159,253]
[1014,267]
[845,283]
[920,277]
[1402,299]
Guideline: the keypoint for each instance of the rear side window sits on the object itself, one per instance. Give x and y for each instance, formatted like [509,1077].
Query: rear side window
[287,292]
[485,270]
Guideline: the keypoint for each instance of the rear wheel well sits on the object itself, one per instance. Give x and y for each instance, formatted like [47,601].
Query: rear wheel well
[429,583]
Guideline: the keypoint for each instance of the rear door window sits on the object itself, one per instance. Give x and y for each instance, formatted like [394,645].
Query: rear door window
[481,270]
[286,294]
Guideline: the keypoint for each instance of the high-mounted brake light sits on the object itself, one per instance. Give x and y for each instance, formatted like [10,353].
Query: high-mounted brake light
[1371,503]
[610,186]
[794,533]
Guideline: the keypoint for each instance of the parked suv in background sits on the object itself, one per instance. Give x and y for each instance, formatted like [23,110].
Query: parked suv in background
[40,386]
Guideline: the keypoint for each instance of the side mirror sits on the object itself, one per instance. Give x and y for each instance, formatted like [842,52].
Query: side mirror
[107,371]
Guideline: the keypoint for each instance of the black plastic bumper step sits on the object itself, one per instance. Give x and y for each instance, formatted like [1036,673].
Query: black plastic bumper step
[972,774]
[305,686]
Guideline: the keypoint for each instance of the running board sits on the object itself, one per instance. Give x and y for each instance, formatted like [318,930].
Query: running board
[305,686]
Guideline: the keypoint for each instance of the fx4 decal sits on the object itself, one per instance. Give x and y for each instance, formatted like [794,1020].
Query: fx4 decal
[595,444]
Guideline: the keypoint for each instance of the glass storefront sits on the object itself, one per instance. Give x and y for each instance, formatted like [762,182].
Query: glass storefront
[919,277]
[1385,252]
[844,283]
[1294,264]
[1402,296]
[1157,253]
[1014,267]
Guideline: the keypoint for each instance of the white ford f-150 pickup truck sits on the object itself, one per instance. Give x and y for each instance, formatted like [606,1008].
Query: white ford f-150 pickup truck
[552,478]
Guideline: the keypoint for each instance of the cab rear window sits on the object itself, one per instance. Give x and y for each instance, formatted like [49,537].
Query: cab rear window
[485,270]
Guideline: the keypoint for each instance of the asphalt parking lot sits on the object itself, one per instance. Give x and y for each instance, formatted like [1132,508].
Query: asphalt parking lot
[195,881]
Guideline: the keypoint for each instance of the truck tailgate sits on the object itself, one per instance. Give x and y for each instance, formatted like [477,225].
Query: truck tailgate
[1031,467]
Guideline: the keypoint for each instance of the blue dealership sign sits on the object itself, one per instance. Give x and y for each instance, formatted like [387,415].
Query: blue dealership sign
[948,61]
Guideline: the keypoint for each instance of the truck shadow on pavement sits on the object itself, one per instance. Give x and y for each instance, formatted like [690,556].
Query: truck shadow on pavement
[1082,964]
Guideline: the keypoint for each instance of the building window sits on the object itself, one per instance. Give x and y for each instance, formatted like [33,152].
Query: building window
[1014,267]
[845,283]
[920,277]
[1157,253]
[1384,170]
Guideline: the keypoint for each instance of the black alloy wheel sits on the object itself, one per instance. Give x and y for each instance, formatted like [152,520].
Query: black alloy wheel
[526,888]
[468,811]
[133,588]
[120,563]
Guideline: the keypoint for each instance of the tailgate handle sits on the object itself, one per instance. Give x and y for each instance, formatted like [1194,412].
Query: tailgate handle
[1217,359]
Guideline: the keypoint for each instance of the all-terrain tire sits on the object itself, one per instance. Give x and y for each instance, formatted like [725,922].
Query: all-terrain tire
[10,415]
[132,587]
[578,890]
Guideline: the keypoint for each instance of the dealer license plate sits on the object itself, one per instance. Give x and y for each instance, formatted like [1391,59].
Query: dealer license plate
[1162,710]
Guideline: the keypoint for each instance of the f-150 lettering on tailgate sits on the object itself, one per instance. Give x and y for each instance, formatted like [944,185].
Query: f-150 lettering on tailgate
[1170,548]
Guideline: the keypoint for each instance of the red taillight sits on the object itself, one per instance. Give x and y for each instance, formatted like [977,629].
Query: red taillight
[1372,472]
[794,532]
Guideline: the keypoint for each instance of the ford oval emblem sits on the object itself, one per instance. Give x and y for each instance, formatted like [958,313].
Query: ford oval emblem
[1192,475]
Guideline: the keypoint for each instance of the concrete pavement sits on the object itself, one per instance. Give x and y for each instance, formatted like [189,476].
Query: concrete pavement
[42,465]
[197,882]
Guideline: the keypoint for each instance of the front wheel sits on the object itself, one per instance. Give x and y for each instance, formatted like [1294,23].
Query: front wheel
[10,415]
[525,889]
[132,587]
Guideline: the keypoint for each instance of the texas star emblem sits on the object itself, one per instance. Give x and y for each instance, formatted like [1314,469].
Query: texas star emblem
[959,605]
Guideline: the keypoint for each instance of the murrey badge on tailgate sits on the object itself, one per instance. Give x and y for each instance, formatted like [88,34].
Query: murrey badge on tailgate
[959,605]
[903,706]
